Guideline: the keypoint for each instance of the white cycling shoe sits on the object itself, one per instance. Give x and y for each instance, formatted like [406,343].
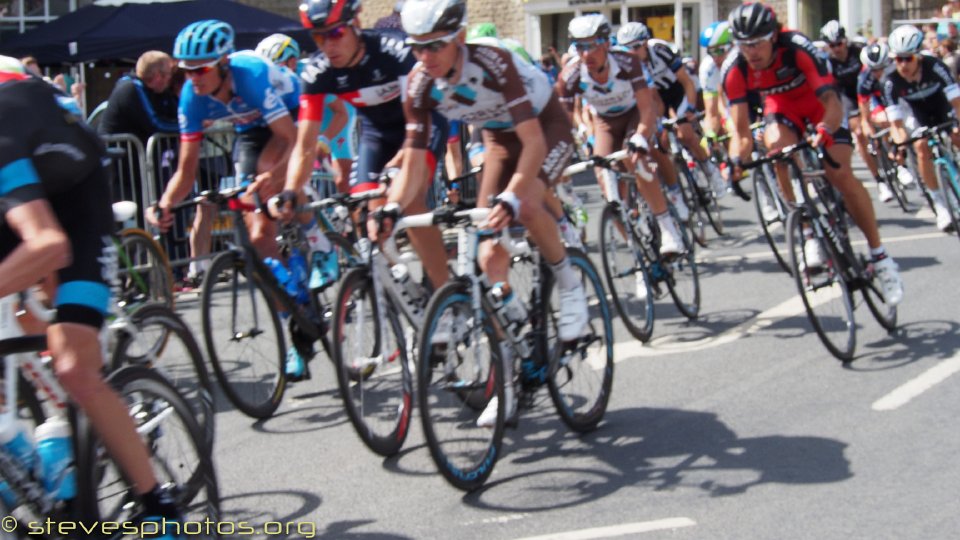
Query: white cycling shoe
[573,313]
[888,273]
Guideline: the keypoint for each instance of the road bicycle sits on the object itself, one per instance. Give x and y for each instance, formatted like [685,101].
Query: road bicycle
[888,168]
[694,183]
[144,270]
[945,165]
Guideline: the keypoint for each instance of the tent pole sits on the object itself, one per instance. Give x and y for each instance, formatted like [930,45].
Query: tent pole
[83,81]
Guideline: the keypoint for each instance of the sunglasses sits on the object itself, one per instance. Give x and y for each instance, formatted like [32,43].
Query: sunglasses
[834,44]
[717,51]
[321,36]
[198,71]
[637,45]
[751,43]
[432,46]
[903,59]
[587,46]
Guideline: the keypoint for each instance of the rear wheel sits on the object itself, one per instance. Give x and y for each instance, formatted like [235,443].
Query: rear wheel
[697,223]
[621,265]
[683,278]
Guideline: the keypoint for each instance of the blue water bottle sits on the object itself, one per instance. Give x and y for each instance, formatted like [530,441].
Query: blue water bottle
[297,286]
[14,438]
[56,458]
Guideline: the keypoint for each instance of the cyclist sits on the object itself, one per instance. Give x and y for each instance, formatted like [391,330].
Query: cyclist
[676,89]
[715,38]
[843,60]
[527,142]
[55,192]
[876,63]
[612,82]
[921,92]
[246,89]
[797,88]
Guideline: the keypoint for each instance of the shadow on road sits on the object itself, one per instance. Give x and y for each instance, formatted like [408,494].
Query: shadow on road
[912,342]
[656,449]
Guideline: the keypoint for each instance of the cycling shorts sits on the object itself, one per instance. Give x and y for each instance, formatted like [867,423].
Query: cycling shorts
[673,98]
[381,145]
[247,149]
[850,107]
[797,114]
[612,131]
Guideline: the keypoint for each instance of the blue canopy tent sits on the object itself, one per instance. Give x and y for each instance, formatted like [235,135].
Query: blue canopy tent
[123,32]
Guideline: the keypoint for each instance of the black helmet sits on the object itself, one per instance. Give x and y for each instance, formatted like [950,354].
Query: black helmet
[748,21]
[324,13]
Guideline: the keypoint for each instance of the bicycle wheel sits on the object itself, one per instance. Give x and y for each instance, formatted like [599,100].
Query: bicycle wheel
[347,258]
[372,365]
[948,190]
[708,201]
[697,222]
[884,313]
[159,339]
[620,267]
[822,287]
[683,278]
[773,224]
[244,339]
[144,271]
[456,380]
[178,452]
[580,377]
[888,175]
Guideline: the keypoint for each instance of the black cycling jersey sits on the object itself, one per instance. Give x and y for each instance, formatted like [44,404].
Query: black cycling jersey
[47,152]
[372,86]
[870,88]
[927,98]
[846,72]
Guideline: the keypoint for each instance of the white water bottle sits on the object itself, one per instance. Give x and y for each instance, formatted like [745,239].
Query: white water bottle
[15,438]
[56,458]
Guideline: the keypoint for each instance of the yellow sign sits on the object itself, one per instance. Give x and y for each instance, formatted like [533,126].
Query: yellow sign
[661,27]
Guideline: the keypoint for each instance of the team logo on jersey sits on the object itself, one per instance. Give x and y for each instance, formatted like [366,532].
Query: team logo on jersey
[270,99]
[342,81]
[377,75]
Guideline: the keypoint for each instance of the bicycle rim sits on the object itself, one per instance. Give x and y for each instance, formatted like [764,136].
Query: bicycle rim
[825,294]
[580,377]
[372,369]
[144,271]
[683,279]
[951,199]
[708,201]
[621,266]
[697,223]
[456,381]
[243,336]
[179,455]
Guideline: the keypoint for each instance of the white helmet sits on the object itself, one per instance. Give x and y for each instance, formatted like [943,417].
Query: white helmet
[906,39]
[588,26]
[278,48]
[832,32]
[427,16]
[632,31]
[876,56]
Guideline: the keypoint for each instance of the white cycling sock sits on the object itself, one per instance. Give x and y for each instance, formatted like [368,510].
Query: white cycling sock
[566,278]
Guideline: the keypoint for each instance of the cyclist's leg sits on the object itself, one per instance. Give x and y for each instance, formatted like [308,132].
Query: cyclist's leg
[255,152]
[781,131]
[862,142]
[855,196]
[428,241]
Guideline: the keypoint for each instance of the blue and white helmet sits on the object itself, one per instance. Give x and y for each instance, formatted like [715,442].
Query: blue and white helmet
[204,40]
[631,32]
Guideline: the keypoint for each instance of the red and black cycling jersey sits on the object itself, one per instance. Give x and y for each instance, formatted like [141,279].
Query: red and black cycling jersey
[372,85]
[846,72]
[797,73]
[928,97]
[870,88]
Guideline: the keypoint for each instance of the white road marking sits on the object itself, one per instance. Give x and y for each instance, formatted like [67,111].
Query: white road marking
[918,385]
[618,530]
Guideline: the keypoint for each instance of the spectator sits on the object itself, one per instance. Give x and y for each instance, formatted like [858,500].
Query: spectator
[391,21]
[948,53]
[142,103]
[32,66]
[549,66]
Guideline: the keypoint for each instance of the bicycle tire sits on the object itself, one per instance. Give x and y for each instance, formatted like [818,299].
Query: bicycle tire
[143,252]
[347,258]
[580,380]
[888,175]
[697,222]
[104,495]
[179,359]
[774,231]
[378,402]
[885,314]
[839,337]
[254,383]
[951,199]
[638,316]
[452,395]
[680,270]
[708,200]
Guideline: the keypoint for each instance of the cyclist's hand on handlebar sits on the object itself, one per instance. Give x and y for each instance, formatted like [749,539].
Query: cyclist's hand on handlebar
[380,223]
[159,217]
[505,208]
[283,205]
[265,184]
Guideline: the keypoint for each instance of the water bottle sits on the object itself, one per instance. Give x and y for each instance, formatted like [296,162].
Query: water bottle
[283,276]
[408,288]
[512,309]
[297,284]
[56,458]
[15,439]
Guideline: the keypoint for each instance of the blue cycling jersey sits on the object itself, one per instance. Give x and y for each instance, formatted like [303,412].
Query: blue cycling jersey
[262,93]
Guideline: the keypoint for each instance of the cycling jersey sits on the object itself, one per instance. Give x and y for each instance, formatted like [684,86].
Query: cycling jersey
[496,90]
[846,72]
[47,152]
[612,98]
[870,89]
[262,94]
[504,43]
[710,76]
[790,87]
[928,98]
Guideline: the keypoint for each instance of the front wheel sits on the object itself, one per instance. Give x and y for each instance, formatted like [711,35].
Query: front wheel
[580,376]
[243,336]
[144,271]
[626,274]
[372,365]
[772,214]
[683,278]
[951,199]
[460,377]
[821,284]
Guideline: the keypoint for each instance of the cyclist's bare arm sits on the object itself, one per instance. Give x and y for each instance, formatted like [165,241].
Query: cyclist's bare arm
[689,88]
[711,110]
[741,143]
[303,155]
[43,250]
[413,173]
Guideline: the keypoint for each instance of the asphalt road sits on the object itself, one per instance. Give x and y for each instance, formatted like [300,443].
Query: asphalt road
[737,425]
